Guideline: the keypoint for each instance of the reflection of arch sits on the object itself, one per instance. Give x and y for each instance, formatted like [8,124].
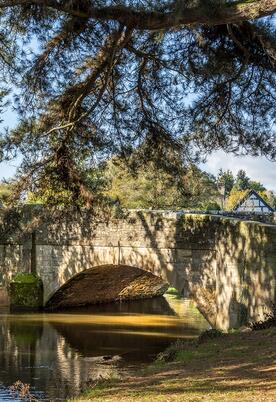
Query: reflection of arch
[136,331]
[107,283]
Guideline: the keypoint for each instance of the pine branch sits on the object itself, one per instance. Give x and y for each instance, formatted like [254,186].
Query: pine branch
[227,13]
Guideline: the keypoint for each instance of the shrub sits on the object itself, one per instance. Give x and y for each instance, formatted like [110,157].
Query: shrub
[209,334]
[213,206]
[171,352]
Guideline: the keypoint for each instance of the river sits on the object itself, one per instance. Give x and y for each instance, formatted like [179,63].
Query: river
[59,353]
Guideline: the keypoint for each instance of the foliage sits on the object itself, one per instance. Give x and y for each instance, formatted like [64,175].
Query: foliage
[225,181]
[26,292]
[212,206]
[241,184]
[5,192]
[56,193]
[257,186]
[147,188]
[209,334]
[234,197]
[110,77]
[270,198]
[242,181]
[150,187]
[192,188]
[25,278]
[170,353]
[172,291]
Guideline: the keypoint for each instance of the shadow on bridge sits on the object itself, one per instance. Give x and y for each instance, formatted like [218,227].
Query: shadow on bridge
[105,284]
[229,265]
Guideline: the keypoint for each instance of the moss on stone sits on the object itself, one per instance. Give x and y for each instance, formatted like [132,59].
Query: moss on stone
[25,278]
[26,292]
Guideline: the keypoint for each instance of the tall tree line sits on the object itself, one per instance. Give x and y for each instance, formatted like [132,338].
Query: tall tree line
[150,187]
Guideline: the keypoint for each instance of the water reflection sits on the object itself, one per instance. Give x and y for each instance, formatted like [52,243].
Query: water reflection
[57,353]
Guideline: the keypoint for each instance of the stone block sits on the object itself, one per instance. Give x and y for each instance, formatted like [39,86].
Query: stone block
[182,254]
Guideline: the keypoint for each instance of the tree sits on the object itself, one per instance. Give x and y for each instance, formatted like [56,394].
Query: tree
[177,79]
[151,187]
[270,198]
[234,197]
[242,181]
[225,183]
[146,188]
[5,192]
[169,15]
[237,195]
[226,180]
[198,189]
[257,186]
[8,50]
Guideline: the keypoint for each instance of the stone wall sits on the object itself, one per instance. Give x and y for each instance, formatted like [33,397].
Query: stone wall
[246,271]
[168,246]
[227,265]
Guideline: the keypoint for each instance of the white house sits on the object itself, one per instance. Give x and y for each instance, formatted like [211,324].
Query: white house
[253,202]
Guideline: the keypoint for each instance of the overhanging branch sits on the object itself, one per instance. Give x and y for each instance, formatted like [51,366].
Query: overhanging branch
[228,13]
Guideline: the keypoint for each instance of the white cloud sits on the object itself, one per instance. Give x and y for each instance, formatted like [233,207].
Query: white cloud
[257,168]
[7,170]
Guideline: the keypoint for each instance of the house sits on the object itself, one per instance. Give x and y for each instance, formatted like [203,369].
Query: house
[253,202]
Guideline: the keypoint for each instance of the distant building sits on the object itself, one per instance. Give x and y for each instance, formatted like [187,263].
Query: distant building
[253,202]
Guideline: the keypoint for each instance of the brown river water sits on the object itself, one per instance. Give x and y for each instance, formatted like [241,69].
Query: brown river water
[59,353]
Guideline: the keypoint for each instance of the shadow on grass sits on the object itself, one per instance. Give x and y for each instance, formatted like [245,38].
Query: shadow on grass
[232,364]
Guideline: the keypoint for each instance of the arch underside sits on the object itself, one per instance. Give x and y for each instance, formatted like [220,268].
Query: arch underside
[107,283]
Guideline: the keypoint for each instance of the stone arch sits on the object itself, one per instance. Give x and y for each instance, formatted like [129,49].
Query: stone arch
[107,283]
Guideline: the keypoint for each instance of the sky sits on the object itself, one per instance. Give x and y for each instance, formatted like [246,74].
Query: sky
[257,168]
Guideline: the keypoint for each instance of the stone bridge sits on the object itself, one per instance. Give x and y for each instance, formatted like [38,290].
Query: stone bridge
[227,265]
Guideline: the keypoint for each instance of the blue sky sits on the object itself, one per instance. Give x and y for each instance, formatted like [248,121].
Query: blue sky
[259,169]
[7,170]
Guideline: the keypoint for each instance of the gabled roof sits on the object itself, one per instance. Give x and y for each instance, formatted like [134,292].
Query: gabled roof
[247,195]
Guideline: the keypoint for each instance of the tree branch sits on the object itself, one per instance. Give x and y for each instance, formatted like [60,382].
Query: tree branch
[230,12]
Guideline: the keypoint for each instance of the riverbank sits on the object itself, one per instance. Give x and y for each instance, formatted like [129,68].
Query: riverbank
[234,367]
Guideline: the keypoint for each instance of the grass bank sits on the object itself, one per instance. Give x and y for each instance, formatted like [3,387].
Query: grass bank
[238,367]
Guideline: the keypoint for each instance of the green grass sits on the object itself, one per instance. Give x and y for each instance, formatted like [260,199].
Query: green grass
[96,389]
[172,291]
[153,367]
[197,354]
[235,367]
